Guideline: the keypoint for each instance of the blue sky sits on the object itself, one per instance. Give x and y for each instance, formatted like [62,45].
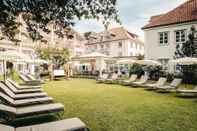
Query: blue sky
[133,14]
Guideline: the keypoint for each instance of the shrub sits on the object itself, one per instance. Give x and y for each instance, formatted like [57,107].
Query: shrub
[154,72]
[136,69]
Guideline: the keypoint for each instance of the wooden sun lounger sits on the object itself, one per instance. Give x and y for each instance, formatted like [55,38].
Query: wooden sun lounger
[16,91]
[28,81]
[31,77]
[12,113]
[72,124]
[141,82]
[187,92]
[6,90]
[170,88]
[113,78]
[129,81]
[103,78]
[154,86]
[24,102]
[20,87]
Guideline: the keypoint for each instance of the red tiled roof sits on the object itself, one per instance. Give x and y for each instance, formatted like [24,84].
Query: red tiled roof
[118,33]
[186,12]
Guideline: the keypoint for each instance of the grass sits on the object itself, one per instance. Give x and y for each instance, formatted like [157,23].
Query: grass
[117,108]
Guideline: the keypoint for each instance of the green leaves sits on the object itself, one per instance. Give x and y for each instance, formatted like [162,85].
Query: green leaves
[57,56]
[62,13]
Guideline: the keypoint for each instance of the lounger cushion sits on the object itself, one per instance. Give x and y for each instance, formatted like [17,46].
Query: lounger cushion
[15,90]
[24,101]
[39,108]
[187,91]
[4,88]
[166,87]
[21,87]
[62,125]
[32,100]
[31,109]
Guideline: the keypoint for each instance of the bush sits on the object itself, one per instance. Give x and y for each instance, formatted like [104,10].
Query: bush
[154,72]
[189,74]
[136,69]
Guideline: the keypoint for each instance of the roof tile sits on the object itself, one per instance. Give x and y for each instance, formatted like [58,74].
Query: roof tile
[184,13]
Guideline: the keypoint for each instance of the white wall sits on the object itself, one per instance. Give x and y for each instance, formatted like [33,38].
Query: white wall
[114,49]
[153,50]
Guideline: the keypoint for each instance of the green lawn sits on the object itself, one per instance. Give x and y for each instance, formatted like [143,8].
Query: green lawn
[117,108]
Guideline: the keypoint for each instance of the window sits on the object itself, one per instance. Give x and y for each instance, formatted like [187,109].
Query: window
[107,45]
[119,53]
[107,53]
[164,63]
[163,38]
[120,44]
[102,46]
[95,46]
[131,45]
[180,36]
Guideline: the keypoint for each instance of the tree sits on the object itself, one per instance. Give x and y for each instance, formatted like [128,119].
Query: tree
[55,55]
[188,49]
[38,14]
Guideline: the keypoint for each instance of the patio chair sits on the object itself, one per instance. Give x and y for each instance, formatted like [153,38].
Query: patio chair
[111,80]
[129,81]
[187,93]
[170,88]
[160,82]
[142,81]
[20,87]
[72,124]
[16,91]
[6,90]
[23,102]
[102,78]
[10,113]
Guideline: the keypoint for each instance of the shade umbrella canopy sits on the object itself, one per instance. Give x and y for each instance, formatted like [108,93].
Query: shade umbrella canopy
[185,61]
[93,55]
[36,61]
[149,62]
[127,61]
[12,56]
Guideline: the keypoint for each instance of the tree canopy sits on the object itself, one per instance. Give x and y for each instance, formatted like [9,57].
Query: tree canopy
[188,49]
[37,14]
[55,55]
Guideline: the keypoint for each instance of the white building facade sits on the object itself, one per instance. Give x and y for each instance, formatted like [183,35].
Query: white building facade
[163,34]
[116,42]
[28,47]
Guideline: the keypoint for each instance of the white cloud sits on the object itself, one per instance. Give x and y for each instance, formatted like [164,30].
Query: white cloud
[133,14]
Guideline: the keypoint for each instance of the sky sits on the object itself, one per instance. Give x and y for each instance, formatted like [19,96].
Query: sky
[134,14]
